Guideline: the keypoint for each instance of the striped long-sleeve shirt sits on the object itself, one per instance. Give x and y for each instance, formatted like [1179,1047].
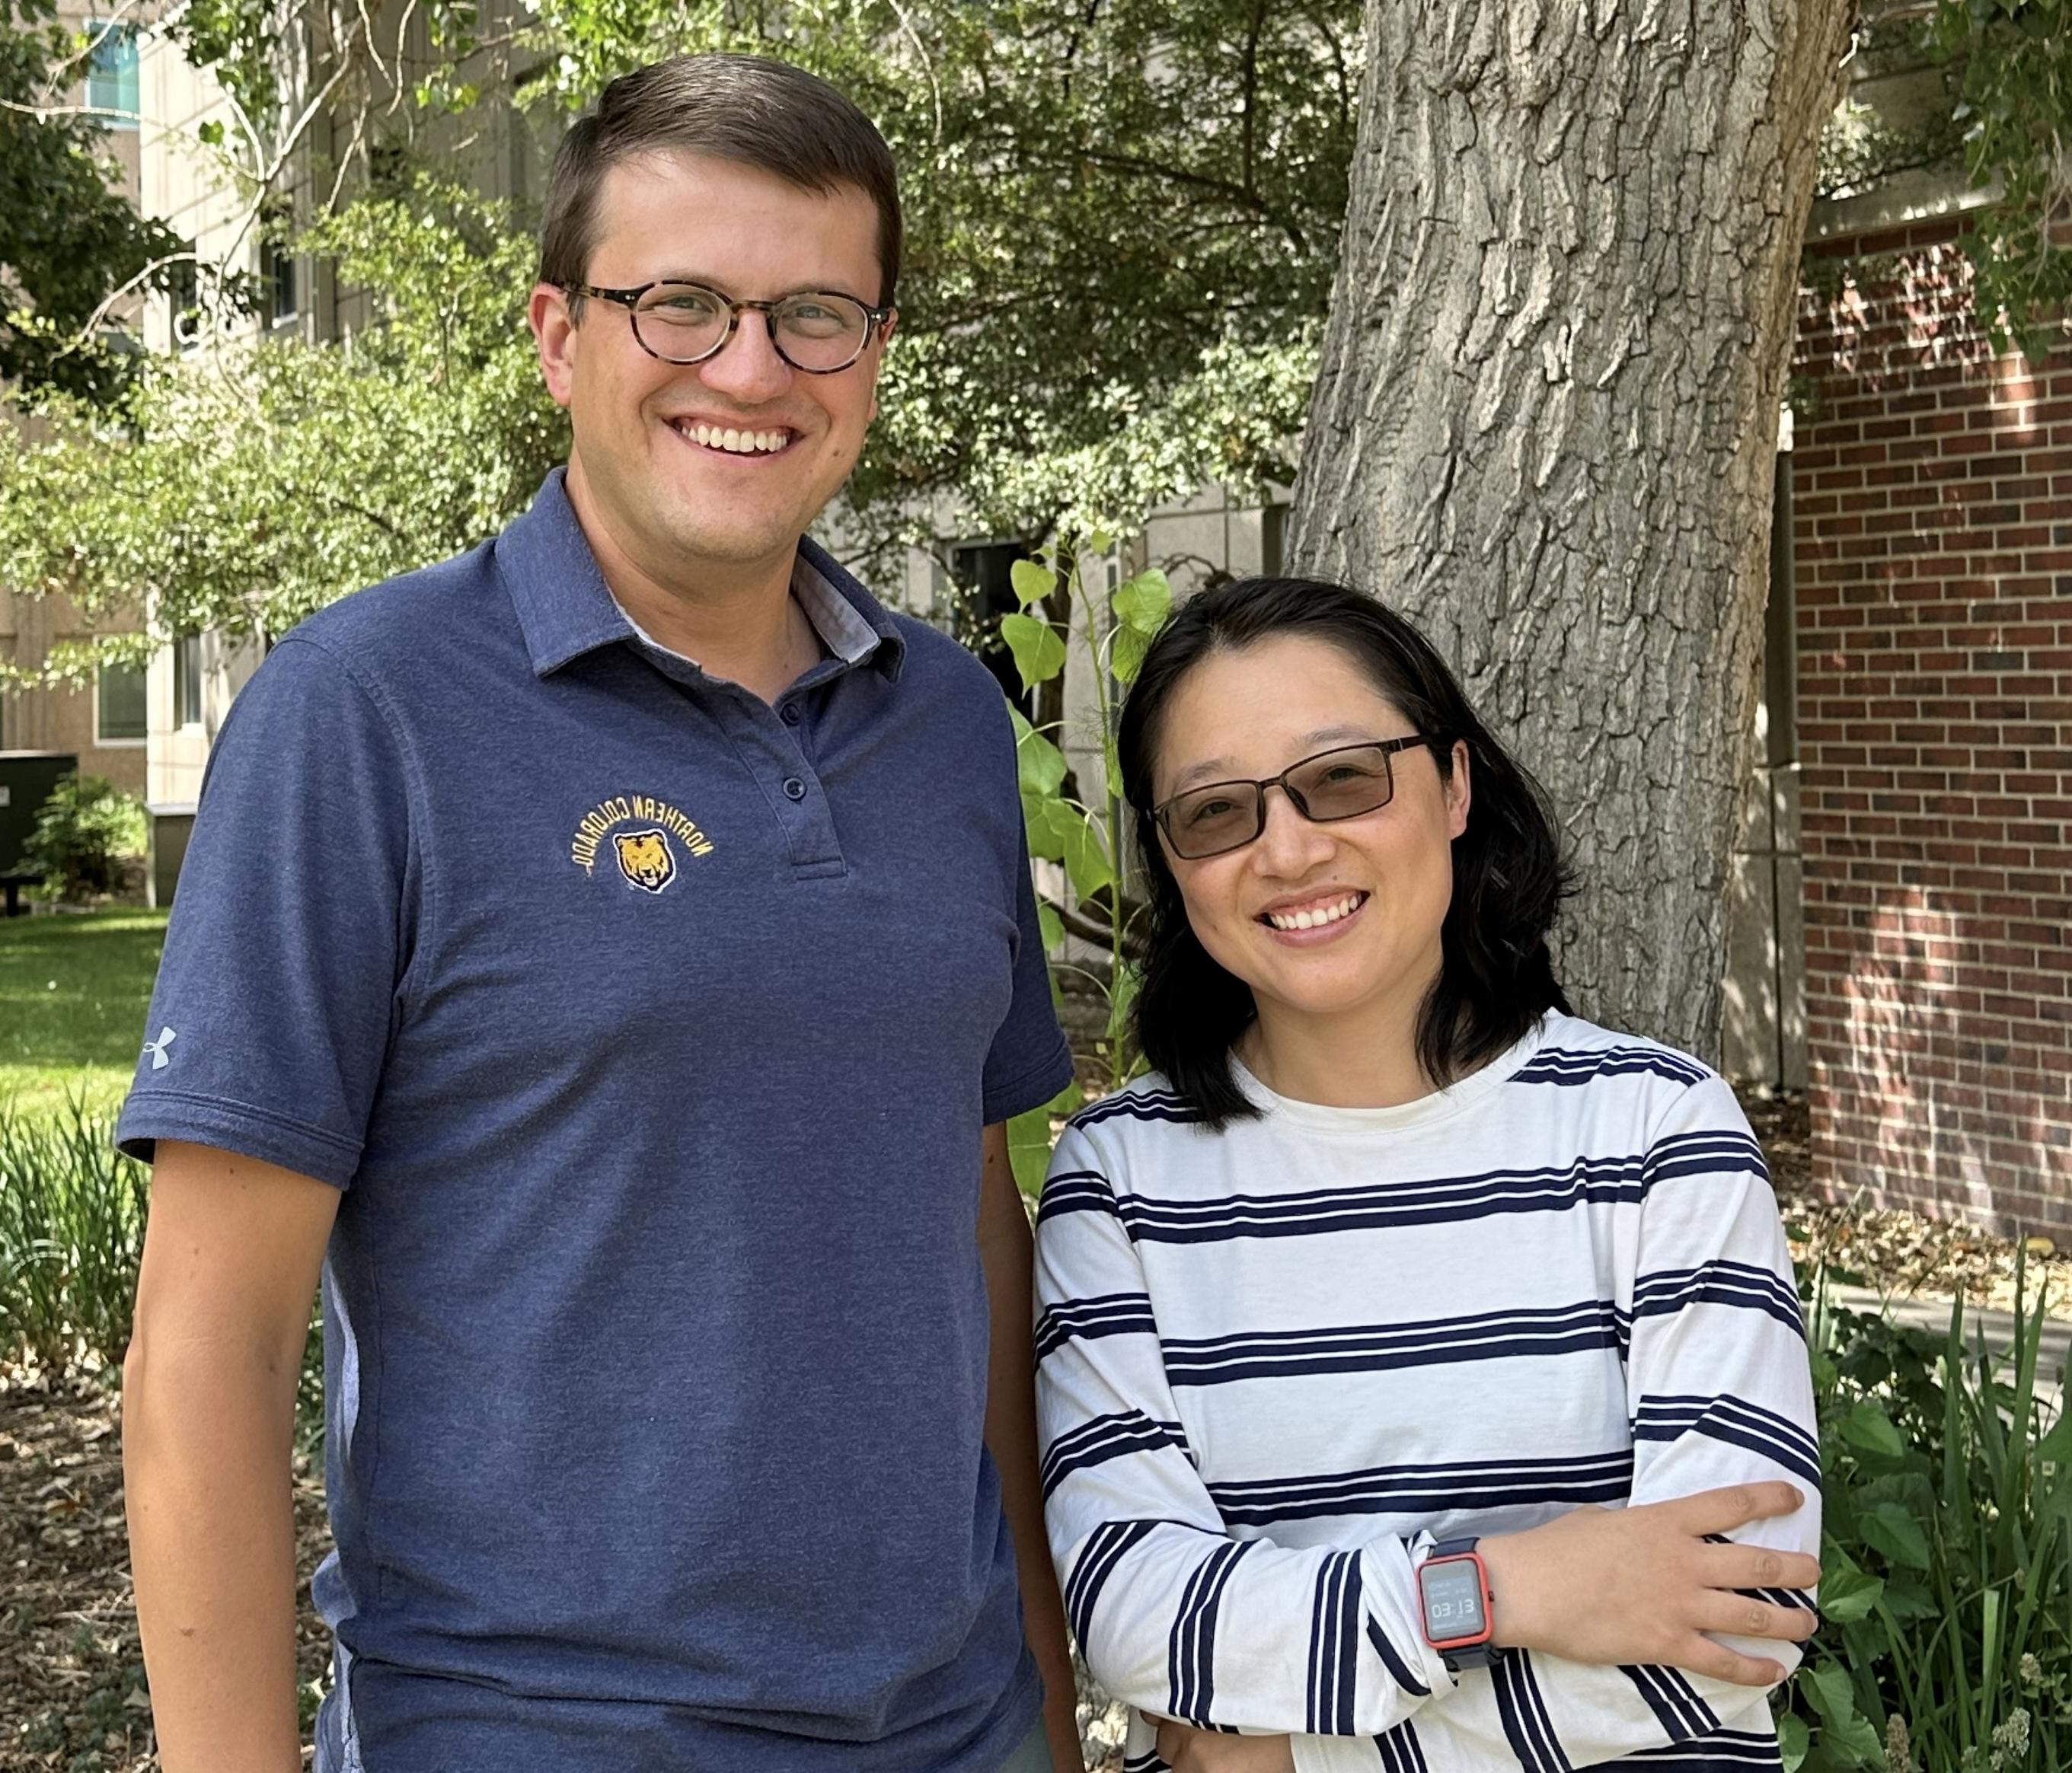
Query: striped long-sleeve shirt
[1275,1363]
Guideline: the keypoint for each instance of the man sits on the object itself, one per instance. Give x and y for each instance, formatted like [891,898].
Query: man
[611,956]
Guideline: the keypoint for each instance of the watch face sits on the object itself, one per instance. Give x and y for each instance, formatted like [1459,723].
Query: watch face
[1452,1589]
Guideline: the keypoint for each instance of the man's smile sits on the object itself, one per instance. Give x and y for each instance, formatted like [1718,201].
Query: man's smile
[734,440]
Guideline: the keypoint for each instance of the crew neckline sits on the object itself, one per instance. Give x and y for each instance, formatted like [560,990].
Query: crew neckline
[1462,1094]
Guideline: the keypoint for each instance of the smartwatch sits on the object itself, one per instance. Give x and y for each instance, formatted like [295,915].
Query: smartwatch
[1452,1588]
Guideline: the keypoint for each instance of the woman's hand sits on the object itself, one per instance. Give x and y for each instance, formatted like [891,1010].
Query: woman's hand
[1643,1585]
[1187,1749]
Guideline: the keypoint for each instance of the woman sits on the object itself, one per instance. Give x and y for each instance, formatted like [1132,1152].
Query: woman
[1408,1346]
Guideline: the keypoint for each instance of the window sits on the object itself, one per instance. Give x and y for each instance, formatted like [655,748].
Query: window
[111,80]
[985,570]
[183,297]
[186,680]
[119,705]
[1273,540]
[278,270]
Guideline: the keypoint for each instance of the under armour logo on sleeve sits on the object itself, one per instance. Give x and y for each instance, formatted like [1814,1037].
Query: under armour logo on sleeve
[160,1059]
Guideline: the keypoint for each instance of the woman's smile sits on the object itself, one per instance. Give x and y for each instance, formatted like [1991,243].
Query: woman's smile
[1316,918]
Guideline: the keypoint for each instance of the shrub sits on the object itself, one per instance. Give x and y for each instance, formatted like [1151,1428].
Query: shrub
[85,837]
[71,1234]
[1946,1583]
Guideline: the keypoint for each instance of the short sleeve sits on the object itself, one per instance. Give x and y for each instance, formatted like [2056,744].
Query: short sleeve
[292,929]
[1030,1062]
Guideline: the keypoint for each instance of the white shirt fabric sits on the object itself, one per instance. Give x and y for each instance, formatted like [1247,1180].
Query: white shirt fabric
[1275,1364]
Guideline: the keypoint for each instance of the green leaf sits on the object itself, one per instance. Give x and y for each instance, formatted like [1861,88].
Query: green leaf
[1029,1138]
[1855,1741]
[1121,996]
[1142,602]
[1052,925]
[1870,1430]
[2057,1445]
[1791,1740]
[1830,1691]
[1125,654]
[1039,764]
[1029,1148]
[1086,855]
[1897,1533]
[1848,1594]
[1038,648]
[1908,1598]
[1051,822]
[1033,581]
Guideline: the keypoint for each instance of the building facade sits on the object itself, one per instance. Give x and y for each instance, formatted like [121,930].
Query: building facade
[104,722]
[1932,525]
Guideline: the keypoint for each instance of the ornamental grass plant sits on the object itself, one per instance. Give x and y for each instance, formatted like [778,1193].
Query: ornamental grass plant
[1946,1590]
[71,1234]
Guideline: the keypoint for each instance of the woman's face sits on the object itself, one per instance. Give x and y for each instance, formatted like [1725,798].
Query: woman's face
[1373,889]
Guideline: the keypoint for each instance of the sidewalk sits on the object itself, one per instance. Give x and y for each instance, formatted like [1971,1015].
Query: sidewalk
[1983,1327]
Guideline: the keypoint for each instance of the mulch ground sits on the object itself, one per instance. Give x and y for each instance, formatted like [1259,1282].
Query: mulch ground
[72,1679]
[1897,1252]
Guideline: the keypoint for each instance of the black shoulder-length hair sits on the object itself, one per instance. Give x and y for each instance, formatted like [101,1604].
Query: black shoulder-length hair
[1496,977]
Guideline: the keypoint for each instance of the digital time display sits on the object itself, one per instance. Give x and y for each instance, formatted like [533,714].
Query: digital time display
[1452,1600]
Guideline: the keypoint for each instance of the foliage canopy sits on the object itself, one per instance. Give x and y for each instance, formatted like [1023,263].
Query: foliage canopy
[68,235]
[1123,227]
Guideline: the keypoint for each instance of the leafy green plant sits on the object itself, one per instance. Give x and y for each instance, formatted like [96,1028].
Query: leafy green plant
[85,838]
[2009,66]
[1946,1584]
[1080,826]
[71,1234]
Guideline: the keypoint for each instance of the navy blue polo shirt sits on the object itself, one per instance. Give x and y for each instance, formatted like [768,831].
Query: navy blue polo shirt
[649,1031]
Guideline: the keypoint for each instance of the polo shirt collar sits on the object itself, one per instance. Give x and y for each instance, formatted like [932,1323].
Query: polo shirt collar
[566,610]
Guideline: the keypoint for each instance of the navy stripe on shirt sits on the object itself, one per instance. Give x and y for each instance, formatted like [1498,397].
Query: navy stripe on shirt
[1334,1635]
[1438,1200]
[1737,1422]
[1718,1282]
[1103,1439]
[1074,1190]
[1724,1751]
[1711,1155]
[1398,1671]
[1487,1335]
[1191,1655]
[1104,1548]
[1675,1703]
[1429,1489]
[1400,1751]
[1167,1105]
[1088,1320]
[1560,1065]
[1522,1712]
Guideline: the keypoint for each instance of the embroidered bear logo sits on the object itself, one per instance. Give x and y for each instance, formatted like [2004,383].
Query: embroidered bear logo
[645,859]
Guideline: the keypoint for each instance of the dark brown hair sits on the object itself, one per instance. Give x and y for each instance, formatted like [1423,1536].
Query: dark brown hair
[750,109]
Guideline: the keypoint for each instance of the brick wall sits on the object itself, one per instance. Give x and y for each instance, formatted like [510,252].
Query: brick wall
[1932,526]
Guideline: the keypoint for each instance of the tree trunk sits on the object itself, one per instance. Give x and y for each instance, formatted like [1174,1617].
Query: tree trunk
[1545,422]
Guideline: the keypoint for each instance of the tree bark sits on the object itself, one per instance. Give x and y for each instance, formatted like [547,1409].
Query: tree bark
[1545,421]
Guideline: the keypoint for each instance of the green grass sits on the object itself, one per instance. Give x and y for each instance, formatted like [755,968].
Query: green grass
[74,990]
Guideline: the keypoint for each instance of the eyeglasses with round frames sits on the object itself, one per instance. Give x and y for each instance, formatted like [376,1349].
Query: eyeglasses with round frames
[1341,783]
[820,331]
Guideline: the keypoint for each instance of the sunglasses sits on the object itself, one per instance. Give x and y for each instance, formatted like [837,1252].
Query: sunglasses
[1340,783]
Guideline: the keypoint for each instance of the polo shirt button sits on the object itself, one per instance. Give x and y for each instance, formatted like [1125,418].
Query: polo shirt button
[791,716]
[795,788]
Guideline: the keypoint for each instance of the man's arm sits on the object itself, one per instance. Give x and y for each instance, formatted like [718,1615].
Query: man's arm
[231,1258]
[1005,1249]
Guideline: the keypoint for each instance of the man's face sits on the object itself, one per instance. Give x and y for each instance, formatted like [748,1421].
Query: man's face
[670,503]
